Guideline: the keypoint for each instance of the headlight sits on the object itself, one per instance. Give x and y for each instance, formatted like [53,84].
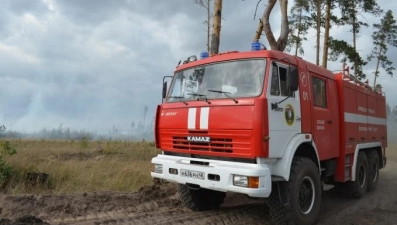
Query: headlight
[241,181]
[157,168]
[244,181]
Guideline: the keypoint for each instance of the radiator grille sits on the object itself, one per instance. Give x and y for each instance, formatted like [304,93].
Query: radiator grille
[224,145]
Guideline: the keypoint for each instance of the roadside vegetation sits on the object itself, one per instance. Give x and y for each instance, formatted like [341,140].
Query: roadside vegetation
[81,166]
[51,166]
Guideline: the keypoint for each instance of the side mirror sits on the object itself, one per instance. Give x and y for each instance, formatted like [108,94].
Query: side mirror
[293,79]
[164,89]
[164,92]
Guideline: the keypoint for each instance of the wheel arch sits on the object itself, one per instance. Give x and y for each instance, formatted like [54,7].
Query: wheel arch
[300,145]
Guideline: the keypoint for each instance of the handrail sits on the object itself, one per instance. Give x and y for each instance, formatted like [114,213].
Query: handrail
[359,82]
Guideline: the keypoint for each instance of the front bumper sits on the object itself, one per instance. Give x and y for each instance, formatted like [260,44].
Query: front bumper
[224,169]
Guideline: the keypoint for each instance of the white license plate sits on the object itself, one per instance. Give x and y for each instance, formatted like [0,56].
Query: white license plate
[193,174]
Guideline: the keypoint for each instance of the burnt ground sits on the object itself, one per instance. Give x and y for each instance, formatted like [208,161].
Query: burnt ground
[159,204]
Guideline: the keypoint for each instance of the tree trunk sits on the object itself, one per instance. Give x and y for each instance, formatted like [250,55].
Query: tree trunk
[208,25]
[318,23]
[258,31]
[377,64]
[326,35]
[354,38]
[216,32]
[281,42]
[299,32]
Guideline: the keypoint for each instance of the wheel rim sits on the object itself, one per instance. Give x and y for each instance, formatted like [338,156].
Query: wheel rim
[374,171]
[362,176]
[306,195]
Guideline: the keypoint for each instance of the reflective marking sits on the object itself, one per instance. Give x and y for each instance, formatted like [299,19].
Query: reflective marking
[204,117]
[191,118]
[356,118]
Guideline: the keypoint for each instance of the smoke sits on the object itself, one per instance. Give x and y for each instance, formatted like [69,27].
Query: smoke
[392,129]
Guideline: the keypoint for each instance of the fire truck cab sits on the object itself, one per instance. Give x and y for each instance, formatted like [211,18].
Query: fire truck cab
[269,125]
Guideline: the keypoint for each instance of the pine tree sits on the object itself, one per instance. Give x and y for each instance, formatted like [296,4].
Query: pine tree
[299,24]
[316,16]
[349,54]
[351,10]
[216,31]
[206,4]
[385,34]
[328,18]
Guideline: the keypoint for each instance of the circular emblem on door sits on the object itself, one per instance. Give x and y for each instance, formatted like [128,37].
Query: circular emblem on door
[289,114]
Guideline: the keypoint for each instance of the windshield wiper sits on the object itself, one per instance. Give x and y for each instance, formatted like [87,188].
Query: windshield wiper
[225,93]
[200,95]
[179,98]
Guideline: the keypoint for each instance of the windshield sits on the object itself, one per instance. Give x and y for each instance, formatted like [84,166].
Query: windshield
[242,78]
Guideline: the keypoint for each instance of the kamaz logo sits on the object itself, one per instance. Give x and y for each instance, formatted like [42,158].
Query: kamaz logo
[199,139]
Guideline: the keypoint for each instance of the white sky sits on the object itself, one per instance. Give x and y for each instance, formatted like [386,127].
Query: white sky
[95,64]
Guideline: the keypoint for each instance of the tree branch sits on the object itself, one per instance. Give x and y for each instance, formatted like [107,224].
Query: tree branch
[266,24]
[256,9]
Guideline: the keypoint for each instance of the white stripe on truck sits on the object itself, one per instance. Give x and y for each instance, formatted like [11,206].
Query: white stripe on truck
[204,117]
[357,118]
[191,118]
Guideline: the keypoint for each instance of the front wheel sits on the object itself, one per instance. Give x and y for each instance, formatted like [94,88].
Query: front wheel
[200,199]
[298,200]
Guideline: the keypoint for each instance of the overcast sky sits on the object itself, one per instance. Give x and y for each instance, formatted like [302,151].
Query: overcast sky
[94,64]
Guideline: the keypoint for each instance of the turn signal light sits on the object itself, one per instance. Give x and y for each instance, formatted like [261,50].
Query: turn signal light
[253,182]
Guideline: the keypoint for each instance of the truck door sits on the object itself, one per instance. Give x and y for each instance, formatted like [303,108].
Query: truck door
[284,120]
[325,122]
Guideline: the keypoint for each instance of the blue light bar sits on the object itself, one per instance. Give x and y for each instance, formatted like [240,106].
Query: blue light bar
[255,46]
[204,55]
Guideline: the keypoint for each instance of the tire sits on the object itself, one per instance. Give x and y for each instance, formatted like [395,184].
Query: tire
[373,170]
[298,200]
[200,199]
[356,189]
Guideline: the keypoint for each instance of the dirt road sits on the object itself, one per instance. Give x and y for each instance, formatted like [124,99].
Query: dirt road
[159,204]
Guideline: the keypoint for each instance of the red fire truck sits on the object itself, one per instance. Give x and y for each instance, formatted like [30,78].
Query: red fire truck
[268,125]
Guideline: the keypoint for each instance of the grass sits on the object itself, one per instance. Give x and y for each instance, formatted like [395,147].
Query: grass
[80,166]
[86,166]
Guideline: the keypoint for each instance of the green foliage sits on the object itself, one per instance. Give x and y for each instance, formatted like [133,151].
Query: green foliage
[83,142]
[6,170]
[7,149]
[299,24]
[385,34]
[348,53]
[351,11]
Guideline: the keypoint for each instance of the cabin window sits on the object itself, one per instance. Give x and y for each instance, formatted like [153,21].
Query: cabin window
[319,92]
[279,81]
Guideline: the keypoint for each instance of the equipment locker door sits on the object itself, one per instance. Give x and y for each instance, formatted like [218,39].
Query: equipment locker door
[325,117]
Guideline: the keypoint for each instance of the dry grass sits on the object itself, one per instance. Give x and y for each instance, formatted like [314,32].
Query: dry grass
[87,166]
[81,166]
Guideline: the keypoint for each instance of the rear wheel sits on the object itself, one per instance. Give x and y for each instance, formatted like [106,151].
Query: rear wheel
[373,170]
[298,200]
[200,199]
[356,189]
